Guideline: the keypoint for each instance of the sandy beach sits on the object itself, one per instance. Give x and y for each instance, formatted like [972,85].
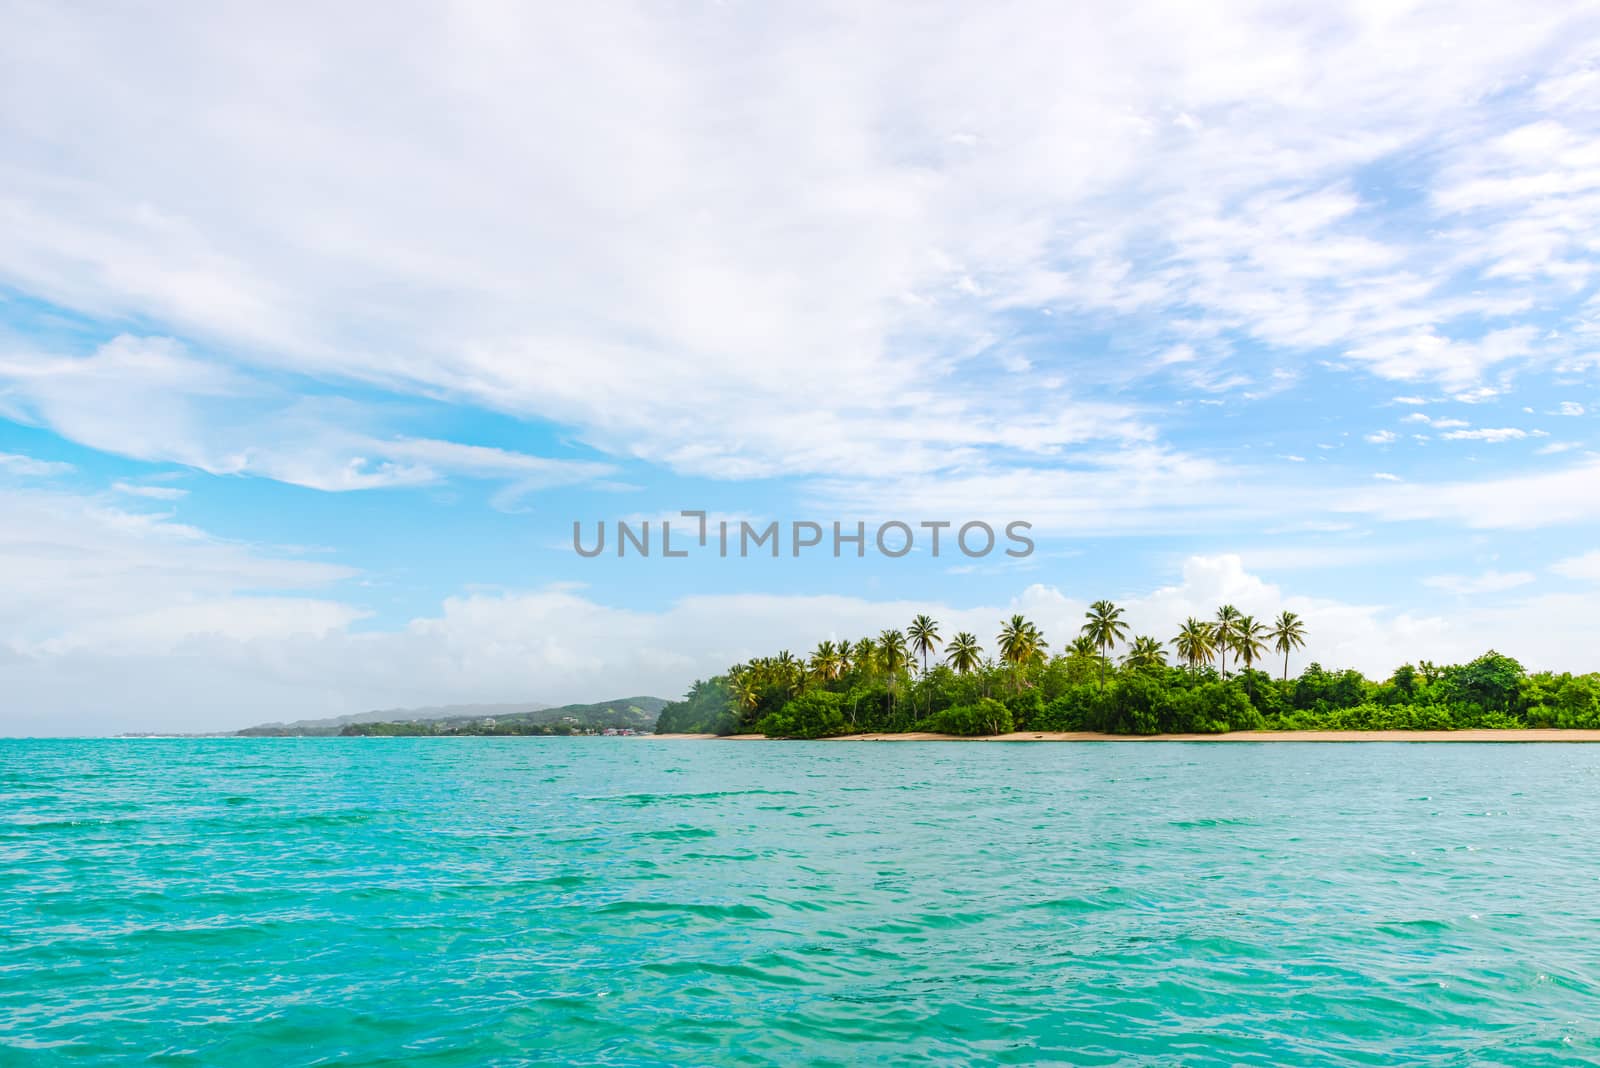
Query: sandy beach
[1527,735]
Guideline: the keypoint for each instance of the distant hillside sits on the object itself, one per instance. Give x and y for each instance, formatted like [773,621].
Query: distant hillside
[638,713]
[429,714]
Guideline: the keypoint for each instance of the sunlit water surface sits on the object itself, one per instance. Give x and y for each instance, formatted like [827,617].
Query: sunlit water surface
[637,901]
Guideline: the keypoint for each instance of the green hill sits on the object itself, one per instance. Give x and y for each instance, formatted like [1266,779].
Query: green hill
[631,713]
[636,713]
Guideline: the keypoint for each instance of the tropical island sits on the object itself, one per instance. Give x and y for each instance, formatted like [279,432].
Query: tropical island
[914,682]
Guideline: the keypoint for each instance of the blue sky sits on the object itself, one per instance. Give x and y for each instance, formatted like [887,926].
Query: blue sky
[316,339]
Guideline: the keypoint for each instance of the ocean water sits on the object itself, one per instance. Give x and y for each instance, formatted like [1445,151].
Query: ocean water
[635,901]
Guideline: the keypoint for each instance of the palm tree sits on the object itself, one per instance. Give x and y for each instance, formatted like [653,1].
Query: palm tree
[892,658]
[1227,617]
[924,635]
[1038,649]
[1247,640]
[963,653]
[826,662]
[1105,628]
[892,653]
[1145,652]
[744,691]
[1020,644]
[864,655]
[1083,646]
[1020,641]
[1288,634]
[1196,642]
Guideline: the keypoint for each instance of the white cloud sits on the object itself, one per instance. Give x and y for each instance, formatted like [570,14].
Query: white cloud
[1492,435]
[1452,361]
[151,399]
[1569,408]
[1386,476]
[1586,567]
[1440,424]
[81,574]
[1139,489]
[1523,501]
[1382,437]
[1490,581]
[28,467]
[155,493]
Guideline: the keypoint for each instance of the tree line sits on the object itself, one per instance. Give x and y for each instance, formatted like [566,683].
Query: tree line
[1104,679]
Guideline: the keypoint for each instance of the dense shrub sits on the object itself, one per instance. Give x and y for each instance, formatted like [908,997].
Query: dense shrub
[986,716]
[1026,707]
[1073,710]
[814,714]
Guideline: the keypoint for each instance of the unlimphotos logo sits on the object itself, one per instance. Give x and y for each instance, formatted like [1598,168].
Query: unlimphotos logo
[741,538]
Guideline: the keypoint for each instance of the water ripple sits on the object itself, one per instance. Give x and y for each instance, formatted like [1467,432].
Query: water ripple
[304,902]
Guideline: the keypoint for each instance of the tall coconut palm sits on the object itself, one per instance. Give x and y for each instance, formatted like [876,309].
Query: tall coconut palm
[893,658]
[788,672]
[892,653]
[1105,628]
[1287,635]
[1247,641]
[1020,643]
[1227,618]
[1145,652]
[963,653]
[1196,642]
[825,661]
[864,655]
[924,635]
[744,691]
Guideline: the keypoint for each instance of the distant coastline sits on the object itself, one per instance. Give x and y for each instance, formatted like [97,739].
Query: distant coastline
[624,714]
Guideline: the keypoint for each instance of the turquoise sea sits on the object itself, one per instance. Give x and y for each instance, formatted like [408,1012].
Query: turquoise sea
[636,901]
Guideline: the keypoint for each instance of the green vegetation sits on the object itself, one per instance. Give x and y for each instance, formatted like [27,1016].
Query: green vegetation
[903,681]
[629,713]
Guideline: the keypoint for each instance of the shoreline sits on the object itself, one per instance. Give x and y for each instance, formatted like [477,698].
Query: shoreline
[1522,735]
